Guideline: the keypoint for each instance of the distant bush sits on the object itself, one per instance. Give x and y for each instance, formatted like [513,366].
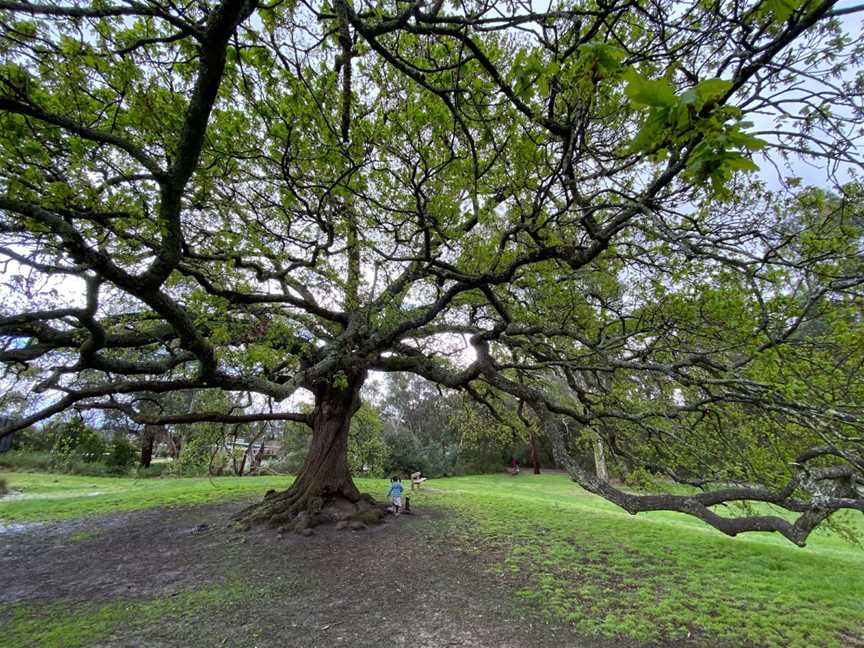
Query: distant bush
[91,469]
[367,451]
[640,479]
[278,467]
[33,440]
[153,470]
[408,453]
[201,455]
[122,453]
[23,460]
[485,457]
[75,441]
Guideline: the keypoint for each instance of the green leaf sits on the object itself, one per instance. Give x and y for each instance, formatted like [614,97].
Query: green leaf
[649,92]
[781,9]
[741,163]
[712,89]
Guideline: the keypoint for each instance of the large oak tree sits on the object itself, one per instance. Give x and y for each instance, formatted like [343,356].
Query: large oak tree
[553,207]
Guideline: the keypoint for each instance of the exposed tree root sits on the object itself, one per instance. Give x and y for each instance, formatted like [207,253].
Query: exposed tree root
[293,510]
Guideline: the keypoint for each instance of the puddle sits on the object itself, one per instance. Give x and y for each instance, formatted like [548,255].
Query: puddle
[18,527]
[19,495]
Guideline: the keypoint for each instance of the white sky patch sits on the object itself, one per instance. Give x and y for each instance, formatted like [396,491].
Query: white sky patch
[22,288]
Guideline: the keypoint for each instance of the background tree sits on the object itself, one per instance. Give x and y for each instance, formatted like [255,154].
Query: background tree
[418,426]
[250,198]
[367,452]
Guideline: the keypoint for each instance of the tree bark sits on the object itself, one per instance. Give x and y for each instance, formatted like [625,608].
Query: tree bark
[239,470]
[600,459]
[323,491]
[257,458]
[175,444]
[535,455]
[148,440]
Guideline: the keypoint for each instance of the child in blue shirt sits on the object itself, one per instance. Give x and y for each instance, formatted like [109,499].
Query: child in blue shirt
[395,493]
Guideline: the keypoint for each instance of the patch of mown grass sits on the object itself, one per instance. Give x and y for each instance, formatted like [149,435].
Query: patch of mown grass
[52,497]
[656,577]
[62,625]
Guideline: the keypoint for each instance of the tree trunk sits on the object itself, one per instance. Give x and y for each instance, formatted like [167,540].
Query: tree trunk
[257,458]
[148,440]
[323,491]
[250,446]
[535,455]
[175,444]
[600,459]
[239,470]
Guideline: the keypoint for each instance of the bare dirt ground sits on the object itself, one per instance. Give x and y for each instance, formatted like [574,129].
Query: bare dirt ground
[399,584]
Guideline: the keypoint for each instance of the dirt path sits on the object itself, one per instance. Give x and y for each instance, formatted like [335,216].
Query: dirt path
[396,585]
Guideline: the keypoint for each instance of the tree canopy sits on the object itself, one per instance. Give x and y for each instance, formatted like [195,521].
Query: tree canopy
[554,210]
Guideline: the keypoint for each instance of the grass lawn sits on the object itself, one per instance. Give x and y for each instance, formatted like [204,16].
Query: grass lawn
[51,497]
[572,556]
[660,575]
[56,625]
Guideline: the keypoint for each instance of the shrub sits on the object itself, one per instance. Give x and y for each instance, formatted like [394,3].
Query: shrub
[24,461]
[153,470]
[483,457]
[408,453]
[122,453]
[33,440]
[74,441]
[640,479]
[367,452]
[200,455]
[405,454]
[91,469]
[47,462]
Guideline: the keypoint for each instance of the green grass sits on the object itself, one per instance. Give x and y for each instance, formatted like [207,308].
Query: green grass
[61,626]
[49,497]
[660,575]
[573,556]
[81,536]
[54,497]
